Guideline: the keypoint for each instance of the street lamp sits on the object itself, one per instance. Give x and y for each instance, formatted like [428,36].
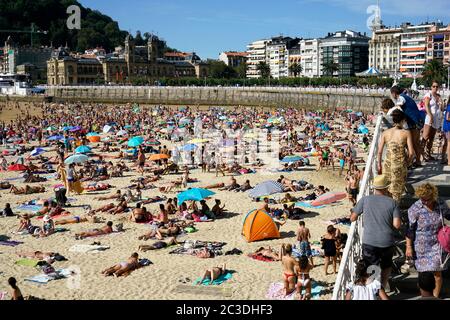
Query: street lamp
[414,85]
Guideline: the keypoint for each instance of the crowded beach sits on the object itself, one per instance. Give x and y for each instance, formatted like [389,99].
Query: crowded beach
[169,202]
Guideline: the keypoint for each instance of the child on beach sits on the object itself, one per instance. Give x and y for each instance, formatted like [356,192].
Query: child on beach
[7,212]
[362,289]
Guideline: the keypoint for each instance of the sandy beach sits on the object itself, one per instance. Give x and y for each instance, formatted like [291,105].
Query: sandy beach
[162,279]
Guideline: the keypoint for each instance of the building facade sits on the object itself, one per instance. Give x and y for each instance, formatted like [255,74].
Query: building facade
[349,50]
[384,50]
[233,59]
[413,48]
[18,58]
[310,58]
[278,55]
[256,54]
[438,44]
[124,65]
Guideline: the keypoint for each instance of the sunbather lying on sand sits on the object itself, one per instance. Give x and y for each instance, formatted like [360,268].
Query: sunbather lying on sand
[96,232]
[268,252]
[27,189]
[158,245]
[124,268]
[213,273]
[39,255]
[215,186]
[77,219]
[153,233]
[114,196]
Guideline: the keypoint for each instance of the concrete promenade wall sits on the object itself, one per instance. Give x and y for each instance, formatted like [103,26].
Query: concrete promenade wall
[220,96]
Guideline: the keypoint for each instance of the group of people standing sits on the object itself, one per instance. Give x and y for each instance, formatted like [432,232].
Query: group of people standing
[405,144]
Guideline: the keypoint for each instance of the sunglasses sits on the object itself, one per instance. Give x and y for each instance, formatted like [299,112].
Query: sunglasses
[435,86]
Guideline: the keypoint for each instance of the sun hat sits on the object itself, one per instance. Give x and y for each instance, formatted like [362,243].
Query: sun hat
[380,182]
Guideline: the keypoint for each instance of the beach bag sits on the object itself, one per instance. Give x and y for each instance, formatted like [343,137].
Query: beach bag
[444,239]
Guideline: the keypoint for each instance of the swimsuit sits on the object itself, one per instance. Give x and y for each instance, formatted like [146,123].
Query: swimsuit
[288,275]
[303,280]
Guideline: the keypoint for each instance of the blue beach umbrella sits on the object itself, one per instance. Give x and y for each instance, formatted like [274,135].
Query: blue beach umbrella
[92,134]
[37,151]
[189,147]
[76,158]
[291,159]
[135,141]
[83,149]
[56,137]
[196,194]
[265,189]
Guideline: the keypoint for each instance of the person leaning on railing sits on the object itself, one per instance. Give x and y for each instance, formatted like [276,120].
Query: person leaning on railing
[381,217]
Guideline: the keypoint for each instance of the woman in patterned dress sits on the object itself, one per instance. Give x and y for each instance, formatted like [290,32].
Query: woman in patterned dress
[425,219]
[396,140]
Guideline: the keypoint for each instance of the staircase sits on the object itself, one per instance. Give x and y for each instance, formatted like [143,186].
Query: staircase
[404,286]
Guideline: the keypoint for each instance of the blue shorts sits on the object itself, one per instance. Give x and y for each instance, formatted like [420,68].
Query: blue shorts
[341,163]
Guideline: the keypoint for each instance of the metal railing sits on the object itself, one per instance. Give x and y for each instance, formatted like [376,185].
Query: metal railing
[353,248]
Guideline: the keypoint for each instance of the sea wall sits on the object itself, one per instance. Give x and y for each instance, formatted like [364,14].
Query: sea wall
[223,96]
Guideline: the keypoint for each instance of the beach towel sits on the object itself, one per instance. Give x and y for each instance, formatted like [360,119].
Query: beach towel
[260,257]
[45,278]
[10,243]
[27,262]
[222,278]
[84,248]
[276,292]
[28,207]
[61,229]
[307,205]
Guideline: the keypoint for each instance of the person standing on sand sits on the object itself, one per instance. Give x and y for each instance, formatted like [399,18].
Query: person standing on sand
[141,160]
[289,266]
[303,236]
[16,293]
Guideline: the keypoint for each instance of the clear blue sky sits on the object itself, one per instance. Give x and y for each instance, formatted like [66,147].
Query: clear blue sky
[209,27]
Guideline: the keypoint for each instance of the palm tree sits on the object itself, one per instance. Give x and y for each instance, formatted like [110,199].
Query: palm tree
[330,67]
[434,70]
[296,69]
[264,69]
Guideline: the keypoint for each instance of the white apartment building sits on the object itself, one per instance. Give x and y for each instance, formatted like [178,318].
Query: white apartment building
[256,54]
[413,48]
[384,50]
[310,57]
[278,58]
[233,58]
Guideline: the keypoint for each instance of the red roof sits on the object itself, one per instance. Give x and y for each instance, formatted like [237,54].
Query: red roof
[176,54]
[236,54]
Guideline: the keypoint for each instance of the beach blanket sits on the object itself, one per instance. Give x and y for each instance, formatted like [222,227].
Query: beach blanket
[10,243]
[276,292]
[84,248]
[222,278]
[307,205]
[260,257]
[28,207]
[314,252]
[27,262]
[45,278]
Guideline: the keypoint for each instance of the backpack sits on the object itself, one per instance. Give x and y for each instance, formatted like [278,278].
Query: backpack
[412,112]
[444,239]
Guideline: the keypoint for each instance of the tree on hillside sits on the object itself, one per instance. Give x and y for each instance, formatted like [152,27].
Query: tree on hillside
[434,70]
[296,69]
[263,69]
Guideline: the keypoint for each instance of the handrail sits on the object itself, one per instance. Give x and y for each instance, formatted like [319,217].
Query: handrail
[353,248]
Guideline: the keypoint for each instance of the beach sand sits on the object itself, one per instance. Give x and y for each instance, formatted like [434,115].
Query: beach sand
[161,280]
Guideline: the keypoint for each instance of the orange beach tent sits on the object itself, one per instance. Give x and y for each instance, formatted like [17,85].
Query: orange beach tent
[259,225]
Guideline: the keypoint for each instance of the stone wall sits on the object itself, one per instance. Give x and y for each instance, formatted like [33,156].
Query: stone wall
[223,96]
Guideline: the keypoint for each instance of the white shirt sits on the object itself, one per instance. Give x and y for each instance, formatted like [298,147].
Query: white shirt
[367,292]
[435,111]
